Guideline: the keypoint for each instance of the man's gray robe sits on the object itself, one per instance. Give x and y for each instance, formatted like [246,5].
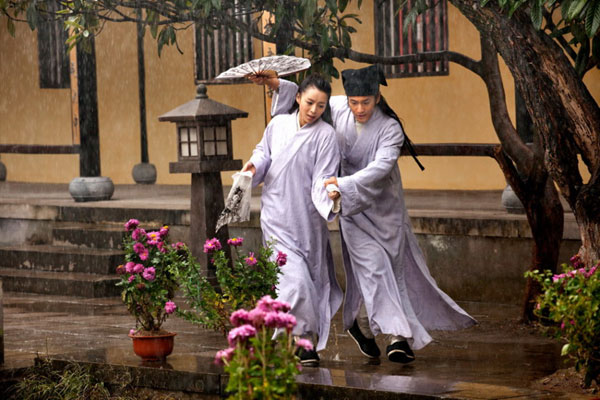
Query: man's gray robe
[295,209]
[384,265]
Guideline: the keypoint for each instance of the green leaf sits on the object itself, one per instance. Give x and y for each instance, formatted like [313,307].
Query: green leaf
[565,349]
[332,5]
[484,2]
[10,26]
[575,8]
[592,18]
[518,4]
[32,16]
[583,55]
[342,4]
[536,14]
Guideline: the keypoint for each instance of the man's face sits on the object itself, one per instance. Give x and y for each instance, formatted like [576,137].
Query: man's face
[363,106]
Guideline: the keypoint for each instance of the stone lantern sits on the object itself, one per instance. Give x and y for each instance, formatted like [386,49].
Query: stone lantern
[204,149]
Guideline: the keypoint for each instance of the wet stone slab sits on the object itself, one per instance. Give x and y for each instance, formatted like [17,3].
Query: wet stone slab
[496,359]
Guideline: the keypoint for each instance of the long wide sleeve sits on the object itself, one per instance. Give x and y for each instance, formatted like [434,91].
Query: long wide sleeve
[284,97]
[362,188]
[326,165]
[261,158]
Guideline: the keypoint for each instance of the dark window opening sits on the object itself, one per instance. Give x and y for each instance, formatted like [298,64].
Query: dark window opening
[217,50]
[429,33]
[52,51]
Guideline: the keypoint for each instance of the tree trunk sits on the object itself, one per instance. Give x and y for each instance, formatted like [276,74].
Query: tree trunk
[523,168]
[546,219]
[562,110]
[587,213]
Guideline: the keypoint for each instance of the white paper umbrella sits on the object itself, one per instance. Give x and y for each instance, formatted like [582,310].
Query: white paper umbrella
[267,67]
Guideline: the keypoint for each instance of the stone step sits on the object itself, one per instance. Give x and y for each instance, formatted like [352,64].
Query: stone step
[59,283]
[158,216]
[59,258]
[98,236]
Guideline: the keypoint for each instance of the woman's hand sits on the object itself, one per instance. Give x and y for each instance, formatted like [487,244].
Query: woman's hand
[271,82]
[329,181]
[249,167]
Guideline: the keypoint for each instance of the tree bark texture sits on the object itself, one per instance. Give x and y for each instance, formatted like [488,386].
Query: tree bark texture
[524,170]
[564,113]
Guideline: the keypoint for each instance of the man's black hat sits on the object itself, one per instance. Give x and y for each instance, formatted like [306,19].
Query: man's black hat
[364,81]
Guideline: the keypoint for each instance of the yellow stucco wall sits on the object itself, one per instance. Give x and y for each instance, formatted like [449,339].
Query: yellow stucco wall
[451,108]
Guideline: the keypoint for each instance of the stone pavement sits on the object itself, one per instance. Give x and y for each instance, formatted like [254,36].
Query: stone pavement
[496,359]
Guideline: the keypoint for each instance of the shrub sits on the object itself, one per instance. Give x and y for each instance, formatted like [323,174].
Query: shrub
[571,301]
[242,281]
[260,367]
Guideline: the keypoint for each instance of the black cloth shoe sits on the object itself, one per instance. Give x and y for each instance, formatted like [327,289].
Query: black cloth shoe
[308,358]
[400,352]
[366,346]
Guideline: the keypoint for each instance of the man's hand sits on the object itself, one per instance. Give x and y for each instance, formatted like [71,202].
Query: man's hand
[249,167]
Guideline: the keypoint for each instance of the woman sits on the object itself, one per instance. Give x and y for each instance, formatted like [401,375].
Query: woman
[297,153]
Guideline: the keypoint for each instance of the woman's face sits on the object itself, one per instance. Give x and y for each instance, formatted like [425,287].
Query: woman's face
[363,107]
[312,103]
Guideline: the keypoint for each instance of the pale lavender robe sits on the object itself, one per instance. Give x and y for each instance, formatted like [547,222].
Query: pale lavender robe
[385,267]
[295,210]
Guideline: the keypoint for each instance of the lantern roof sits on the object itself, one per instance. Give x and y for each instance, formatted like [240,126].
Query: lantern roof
[202,108]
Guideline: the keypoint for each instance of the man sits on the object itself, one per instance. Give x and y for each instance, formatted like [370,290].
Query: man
[389,289]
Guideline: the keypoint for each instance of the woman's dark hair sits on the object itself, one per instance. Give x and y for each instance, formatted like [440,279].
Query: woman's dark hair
[319,83]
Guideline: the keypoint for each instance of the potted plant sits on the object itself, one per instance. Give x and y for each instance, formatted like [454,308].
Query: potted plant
[258,366]
[241,283]
[149,281]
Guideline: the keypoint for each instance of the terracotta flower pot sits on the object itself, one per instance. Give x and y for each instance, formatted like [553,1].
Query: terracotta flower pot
[153,348]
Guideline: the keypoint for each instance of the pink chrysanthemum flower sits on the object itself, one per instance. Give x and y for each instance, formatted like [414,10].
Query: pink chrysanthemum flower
[131,278]
[251,260]
[239,317]
[224,355]
[178,245]
[282,306]
[153,238]
[305,344]
[138,248]
[265,303]
[212,245]
[149,274]
[241,333]
[131,224]
[170,307]
[256,317]
[235,242]
[138,234]
[129,267]
[164,231]
[138,268]
[279,320]
[281,259]
[144,255]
